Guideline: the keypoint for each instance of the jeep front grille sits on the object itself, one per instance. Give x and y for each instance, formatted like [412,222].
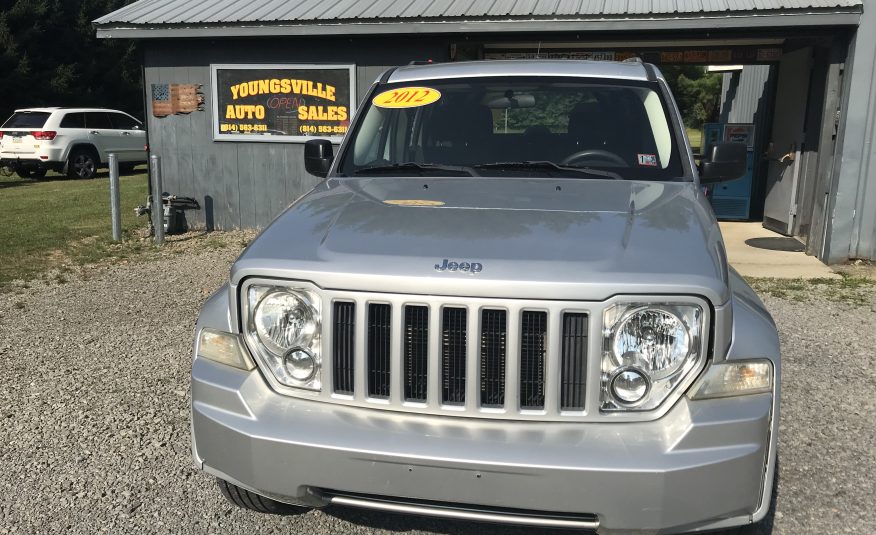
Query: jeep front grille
[344,338]
[379,332]
[574,357]
[494,330]
[493,358]
[533,334]
[416,353]
[454,338]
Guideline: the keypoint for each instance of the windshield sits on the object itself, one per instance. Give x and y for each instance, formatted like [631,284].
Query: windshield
[26,119]
[516,126]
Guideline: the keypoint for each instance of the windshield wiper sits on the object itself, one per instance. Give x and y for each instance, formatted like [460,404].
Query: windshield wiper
[414,166]
[544,164]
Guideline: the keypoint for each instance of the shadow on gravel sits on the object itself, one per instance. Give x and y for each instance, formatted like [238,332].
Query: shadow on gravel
[412,523]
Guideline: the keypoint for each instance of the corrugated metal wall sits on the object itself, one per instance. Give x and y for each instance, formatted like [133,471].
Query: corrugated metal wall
[747,97]
[248,184]
[851,230]
[743,97]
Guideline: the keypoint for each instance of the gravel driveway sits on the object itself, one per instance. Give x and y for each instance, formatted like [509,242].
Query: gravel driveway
[94,422]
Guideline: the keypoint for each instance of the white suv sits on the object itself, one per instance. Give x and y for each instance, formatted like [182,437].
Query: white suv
[73,141]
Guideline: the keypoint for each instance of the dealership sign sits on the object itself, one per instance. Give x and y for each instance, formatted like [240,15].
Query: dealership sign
[282,102]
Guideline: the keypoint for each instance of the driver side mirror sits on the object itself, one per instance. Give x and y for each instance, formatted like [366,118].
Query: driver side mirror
[723,161]
[318,157]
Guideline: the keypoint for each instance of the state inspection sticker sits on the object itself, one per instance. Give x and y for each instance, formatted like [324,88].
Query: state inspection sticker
[648,160]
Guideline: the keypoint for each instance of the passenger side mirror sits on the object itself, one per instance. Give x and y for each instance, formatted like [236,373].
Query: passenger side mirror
[723,162]
[318,156]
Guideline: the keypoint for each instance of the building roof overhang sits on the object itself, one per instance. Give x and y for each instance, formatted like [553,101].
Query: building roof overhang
[162,19]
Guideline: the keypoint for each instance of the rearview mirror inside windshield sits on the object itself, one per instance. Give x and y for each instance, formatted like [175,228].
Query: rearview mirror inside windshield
[511,100]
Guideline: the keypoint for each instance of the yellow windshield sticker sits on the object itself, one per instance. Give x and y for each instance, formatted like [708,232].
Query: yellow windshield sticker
[407,97]
[413,202]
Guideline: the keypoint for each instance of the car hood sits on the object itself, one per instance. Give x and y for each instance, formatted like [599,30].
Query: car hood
[534,238]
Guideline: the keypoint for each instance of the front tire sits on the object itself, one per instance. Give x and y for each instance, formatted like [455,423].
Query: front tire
[82,164]
[249,500]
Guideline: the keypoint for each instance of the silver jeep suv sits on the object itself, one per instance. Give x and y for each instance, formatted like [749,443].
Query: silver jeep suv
[73,141]
[508,301]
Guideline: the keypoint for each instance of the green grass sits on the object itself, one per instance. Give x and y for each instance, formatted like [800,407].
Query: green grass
[695,135]
[850,289]
[52,222]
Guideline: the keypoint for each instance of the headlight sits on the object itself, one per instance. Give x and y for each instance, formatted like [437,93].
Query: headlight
[648,349]
[284,324]
[285,320]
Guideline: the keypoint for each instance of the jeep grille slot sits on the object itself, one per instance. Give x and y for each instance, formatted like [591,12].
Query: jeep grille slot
[493,334]
[416,352]
[574,361]
[379,347]
[454,329]
[343,338]
[533,346]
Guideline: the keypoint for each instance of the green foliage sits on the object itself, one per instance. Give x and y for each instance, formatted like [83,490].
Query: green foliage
[698,93]
[552,111]
[50,56]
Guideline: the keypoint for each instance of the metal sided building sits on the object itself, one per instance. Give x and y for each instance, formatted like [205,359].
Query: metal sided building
[233,88]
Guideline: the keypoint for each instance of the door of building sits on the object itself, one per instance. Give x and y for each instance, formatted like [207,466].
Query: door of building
[786,144]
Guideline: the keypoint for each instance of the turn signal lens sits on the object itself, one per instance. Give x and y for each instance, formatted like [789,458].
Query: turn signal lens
[735,379]
[224,348]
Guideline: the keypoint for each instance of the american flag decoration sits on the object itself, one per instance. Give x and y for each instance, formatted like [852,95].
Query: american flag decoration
[170,99]
[161,106]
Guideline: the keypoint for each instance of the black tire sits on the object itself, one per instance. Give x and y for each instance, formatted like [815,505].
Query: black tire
[39,173]
[82,163]
[24,172]
[249,500]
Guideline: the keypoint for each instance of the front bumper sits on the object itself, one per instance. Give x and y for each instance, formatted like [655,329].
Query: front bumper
[700,466]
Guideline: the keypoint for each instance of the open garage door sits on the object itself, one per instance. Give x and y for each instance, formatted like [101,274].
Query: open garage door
[786,144]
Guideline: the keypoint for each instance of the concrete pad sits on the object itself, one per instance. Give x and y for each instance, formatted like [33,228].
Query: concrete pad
[757,262]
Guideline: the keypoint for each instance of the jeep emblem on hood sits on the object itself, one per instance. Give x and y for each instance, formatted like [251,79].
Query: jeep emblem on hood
[473,267]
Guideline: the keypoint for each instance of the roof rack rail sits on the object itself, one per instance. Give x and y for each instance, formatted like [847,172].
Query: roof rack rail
[421,62]
[634,59]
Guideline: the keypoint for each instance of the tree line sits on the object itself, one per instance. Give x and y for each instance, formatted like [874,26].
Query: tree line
[50,56]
